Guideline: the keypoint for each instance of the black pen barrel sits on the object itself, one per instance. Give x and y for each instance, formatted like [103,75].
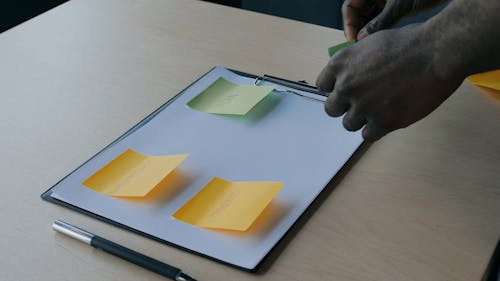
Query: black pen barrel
[135,257]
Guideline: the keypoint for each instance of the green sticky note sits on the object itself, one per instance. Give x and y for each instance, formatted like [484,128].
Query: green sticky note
[224,97]
[332,50]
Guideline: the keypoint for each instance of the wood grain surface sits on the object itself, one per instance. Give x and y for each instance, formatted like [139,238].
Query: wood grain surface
[421,204]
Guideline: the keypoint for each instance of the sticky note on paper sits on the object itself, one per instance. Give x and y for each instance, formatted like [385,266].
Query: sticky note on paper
[490,79]
[227,205]
[332,50]
[133,174]
[225,97]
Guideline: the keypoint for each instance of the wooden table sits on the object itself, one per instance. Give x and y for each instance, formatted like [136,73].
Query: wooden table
[421,204]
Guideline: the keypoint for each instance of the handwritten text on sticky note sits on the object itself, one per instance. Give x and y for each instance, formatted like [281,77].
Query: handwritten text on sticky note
[133,174]
[225,97]
[227,205]
[490,79]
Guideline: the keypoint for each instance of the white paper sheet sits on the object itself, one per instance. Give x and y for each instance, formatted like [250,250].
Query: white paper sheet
[286,138]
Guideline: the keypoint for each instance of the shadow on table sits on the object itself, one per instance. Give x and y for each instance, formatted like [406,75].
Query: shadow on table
[269,260]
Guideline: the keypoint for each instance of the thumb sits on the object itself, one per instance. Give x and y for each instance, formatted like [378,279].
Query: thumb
[392,12]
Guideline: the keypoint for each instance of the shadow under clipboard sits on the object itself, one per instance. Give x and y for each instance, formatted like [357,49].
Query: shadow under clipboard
[276,251]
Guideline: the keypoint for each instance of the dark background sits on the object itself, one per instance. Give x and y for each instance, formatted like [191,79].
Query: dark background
[14,12]
[322,12]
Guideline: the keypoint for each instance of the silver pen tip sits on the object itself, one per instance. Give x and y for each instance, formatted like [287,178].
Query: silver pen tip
[72,231]
[181,276]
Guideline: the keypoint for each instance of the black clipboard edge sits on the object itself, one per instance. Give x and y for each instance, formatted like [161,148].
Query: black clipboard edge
[47,194]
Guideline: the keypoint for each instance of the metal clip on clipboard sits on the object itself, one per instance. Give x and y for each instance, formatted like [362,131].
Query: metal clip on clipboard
[301,85]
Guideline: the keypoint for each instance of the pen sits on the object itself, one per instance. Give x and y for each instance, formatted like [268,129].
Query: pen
[127,254]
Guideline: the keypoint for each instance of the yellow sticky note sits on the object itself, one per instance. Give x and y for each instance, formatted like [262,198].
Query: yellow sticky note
[227,205]
[490,79]
[225,97]
[133,174]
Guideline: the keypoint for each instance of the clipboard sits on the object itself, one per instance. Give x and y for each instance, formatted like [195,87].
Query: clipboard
[267,145]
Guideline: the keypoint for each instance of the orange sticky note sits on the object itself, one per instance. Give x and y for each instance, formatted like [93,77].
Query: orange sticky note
[490,79]
[133,174]
[227,205]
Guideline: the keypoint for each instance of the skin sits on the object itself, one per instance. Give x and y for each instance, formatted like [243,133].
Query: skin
[363,17]
[392,78]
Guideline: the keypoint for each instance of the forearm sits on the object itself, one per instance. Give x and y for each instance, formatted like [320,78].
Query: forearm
[465,38]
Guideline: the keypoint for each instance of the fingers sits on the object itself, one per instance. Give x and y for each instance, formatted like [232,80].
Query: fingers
[336,105]
[372,132]
[355,117]
[353,120]
[392,12]
[352,18]
[326,79]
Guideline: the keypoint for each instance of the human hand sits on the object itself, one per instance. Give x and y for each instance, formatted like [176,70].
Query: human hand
[387,81]
[364,17]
